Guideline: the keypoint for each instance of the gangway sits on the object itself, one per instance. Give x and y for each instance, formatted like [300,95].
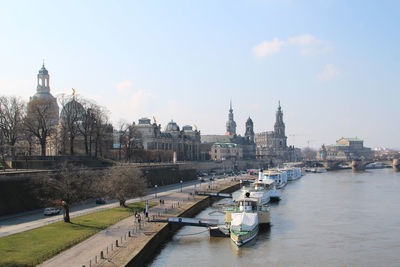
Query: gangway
[189,221]
[213,194]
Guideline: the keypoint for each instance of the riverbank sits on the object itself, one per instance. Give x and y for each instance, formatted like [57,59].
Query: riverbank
[34,246]
[144,243]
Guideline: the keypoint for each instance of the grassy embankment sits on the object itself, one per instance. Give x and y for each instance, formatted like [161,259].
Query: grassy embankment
[35,246]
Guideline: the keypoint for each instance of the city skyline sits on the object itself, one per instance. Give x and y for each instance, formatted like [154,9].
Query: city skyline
[179,65]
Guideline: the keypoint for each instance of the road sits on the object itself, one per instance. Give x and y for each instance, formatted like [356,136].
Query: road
[16,223]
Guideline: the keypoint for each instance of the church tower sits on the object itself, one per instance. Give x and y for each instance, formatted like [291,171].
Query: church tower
[230,124]
[249,130]
[43,92]
[43,81]
[279,129]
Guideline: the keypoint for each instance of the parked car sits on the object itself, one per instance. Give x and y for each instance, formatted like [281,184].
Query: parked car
[100,200]
[51,211]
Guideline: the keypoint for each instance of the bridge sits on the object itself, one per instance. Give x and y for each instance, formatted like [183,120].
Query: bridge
[357,164]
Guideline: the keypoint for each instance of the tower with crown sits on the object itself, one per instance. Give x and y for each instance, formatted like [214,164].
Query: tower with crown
[43,90]
[249,134]
[43,113]
[279,130]
[230,124]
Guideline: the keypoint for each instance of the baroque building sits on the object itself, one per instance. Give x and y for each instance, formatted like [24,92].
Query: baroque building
[184,143]
[243,146]
[230,124]
[44,97]
[345,149]
[273,144]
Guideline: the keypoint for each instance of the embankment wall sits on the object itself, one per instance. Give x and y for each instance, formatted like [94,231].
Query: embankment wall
[153,246]
[17,190]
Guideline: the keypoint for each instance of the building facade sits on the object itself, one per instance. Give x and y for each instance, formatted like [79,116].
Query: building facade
[184,143]
[224,151]
[345,149]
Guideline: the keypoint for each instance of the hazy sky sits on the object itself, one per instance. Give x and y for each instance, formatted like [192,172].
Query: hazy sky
[334,65]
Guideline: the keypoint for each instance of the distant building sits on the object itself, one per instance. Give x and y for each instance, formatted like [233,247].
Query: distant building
[223,151]
[185,143]
[345,149]
[244,143]
[43,93]
[230,124]
[273,144]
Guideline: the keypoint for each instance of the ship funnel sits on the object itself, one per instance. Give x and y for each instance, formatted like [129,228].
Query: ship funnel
[261,175]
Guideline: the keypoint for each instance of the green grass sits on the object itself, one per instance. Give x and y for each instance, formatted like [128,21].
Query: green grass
[35,246]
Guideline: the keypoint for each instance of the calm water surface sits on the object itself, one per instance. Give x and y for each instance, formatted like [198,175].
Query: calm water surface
[329,219]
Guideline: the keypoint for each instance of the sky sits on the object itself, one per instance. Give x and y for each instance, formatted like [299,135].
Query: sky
[333,65]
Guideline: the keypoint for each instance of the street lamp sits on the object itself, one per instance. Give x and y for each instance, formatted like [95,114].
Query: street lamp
[155,186]
[181,185]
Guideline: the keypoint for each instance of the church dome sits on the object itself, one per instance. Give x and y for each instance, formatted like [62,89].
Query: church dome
[172,127]
[73,109]
[43,70]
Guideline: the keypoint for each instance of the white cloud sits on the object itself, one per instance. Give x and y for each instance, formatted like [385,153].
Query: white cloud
[328,73]
[124,86]
[309,45]
[304,40]
[267,48]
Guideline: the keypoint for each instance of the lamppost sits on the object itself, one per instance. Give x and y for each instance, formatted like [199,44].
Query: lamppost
[181,185]
[155,186]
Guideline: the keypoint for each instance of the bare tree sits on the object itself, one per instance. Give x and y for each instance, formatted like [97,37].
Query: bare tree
[41,120]
[122,132]
[12,112]
[70,186]
[87,127]
[309,153]
[72,114]
[123,182]
[101,128]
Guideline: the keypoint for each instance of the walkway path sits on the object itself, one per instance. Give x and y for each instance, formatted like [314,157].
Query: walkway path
[87,253]
[12,224]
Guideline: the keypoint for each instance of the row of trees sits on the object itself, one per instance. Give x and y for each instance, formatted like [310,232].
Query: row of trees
[23,125]
[72,185]
[81,118]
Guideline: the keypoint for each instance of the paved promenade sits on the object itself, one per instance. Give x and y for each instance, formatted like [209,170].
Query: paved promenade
[87,253]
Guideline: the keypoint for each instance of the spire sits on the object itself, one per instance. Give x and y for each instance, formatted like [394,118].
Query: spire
[230,105]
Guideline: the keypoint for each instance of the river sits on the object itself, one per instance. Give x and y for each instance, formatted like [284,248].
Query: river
[327,219]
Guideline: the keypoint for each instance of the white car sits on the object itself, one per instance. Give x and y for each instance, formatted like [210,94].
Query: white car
[51,211]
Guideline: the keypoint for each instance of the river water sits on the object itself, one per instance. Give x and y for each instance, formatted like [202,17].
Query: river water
[327,219]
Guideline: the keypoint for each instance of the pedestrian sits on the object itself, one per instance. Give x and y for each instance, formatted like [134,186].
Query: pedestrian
[139,220]
[160,201]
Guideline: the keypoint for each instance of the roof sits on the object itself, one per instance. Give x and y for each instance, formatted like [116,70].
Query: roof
[225,145]
[215,138]
[351,139]
[334,145]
